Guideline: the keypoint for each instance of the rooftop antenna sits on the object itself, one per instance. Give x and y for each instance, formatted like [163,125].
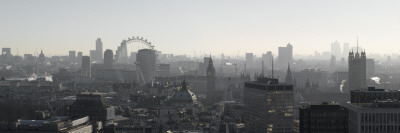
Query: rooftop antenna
[272,66]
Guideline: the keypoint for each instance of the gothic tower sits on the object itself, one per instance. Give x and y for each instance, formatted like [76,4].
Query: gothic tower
[288,79]
[210,78]
[357,70]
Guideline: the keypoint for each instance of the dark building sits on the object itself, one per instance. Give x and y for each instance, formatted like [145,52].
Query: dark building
[288,79]
[108,59]
[372,94]
[323,118]
[92,105]
[41,57]
[86,66]
[210,78]
[268,106]
[357,71]
[146,60]
[6,51]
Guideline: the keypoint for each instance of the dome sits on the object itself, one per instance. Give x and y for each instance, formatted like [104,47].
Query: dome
[184,95]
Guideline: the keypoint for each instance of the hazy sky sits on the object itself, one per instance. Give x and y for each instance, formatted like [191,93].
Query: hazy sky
[184,26]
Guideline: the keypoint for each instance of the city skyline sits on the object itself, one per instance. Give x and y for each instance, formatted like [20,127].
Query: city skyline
[207,27]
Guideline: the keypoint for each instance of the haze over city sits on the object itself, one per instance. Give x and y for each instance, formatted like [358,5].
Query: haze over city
[205,26]
[199,66]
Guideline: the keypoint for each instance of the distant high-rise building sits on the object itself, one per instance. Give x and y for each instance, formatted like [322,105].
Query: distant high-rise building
[285,56]
[72,56]
[267,58]
[249,61]
[42,58]
[335,49]
[122,53]
[93,55]
[370,66]
[346,48]
[146,60]
[80,54]
[268,106]
[99,50]
[373,94]
[333,61]
[357,70]
[133,57]
[211,77]
[86,66]
[323,118]
[6,51]
[202,69]
[108,59]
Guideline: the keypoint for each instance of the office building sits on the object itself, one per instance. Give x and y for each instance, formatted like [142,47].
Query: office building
[146,64]
[108,59]
[335,49]
[357,70]
[99,50]
[79,57]
[346,48]
[285,56]
[373,94]
[370,67]
[6,51]
[72,56]
[86,66]
[268,106]
[249,61]
[92,105]
[323,118]
[375,117]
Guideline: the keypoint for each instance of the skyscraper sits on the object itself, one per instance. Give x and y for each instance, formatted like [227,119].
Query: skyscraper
[108,59]
[346,48]
[268,106]
[335,49]
[99,50]
[210,78]
[146,60]
[357,70]
[249,61]
[285,56]
[86,66]
[72,56]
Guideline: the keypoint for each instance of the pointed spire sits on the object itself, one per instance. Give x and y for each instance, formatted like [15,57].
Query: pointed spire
[288,78]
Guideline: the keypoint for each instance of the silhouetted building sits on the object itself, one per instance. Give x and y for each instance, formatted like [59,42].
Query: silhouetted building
[267,58]
[323,118]
[269,106]
[285,56]
[357,71]
[86,66]
[202,70]
[42,58]
[146,59]
[6,51]
[108,59]
[211,78]
[333,61]
[372,94]
[93,55]
[92,105]
[79,57]
[346,48]
[72,56]
[99,50]
[288,79]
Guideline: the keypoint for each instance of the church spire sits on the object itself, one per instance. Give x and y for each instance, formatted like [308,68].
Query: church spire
[288,78]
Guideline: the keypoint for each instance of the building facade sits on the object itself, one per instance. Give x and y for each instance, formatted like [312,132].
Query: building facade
[268,106]
[357,71]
